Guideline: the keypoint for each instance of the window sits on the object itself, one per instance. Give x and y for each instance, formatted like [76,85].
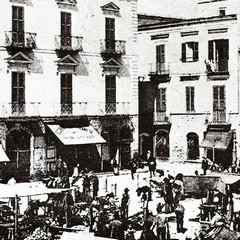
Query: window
[161,100]
[219,103]
[160,53]
[66,29]
[218,54]
[18,92]
[110,34]
[18,25]
[66,93]
[110,93]
[189,51]
[190,99]
[222,12]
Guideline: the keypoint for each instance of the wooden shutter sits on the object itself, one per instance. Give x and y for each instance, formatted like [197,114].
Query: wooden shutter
[66,24]
[18,87]
[183,52]
[110,29]
[225,49]
[160,53]
[110,89]
[210,50]
[66,88]
[195,51]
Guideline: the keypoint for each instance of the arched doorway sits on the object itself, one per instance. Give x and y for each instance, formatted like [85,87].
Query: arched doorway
[192,146]
[145,144]
[162,144]
[18,151]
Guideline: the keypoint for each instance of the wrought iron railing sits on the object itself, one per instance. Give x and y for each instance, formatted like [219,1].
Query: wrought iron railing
[117,108]
[112,46]
[214,66]
[219,116]
[68,43]
[159,68]
[20,109]
[161,116]
[20,39]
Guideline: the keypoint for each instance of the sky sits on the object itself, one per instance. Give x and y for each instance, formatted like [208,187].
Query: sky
[168,8]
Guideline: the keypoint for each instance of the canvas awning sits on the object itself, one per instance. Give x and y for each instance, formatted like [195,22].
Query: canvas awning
[3,155]
[218,140]
[76,136]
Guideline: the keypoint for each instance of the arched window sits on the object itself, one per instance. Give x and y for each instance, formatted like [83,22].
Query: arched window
[192,146]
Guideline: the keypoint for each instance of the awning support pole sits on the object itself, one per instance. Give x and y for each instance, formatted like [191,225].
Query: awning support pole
[15,236]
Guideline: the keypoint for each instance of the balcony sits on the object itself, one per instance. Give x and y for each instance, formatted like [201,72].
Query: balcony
[219,116]
[20,40]
[68,43]
[112,47]
[30,109]
[217,70]
[66,109]
[159,72]
[118,108]
[160,117]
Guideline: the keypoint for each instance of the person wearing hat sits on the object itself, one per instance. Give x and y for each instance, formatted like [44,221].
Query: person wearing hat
[161,223]
[125,203]
[151,163]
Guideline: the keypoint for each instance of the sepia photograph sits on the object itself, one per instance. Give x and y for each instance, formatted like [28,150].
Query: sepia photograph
[120,119]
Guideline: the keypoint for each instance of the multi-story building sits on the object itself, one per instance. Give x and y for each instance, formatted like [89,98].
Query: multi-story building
[68,72]
[189,73]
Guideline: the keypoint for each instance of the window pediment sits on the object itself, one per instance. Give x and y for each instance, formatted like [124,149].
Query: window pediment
[27,2]
[67,61]
[110,8]
[20,58]
[111,67]
[67,2]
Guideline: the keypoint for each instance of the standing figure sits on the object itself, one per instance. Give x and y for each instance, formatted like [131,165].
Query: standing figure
[86,185]
[179,211]
[59,166]
[161,222]
[151,163]
[95,185]
[125,203]
[133,166]
[67,205]
[130,233]
[115,166]
[204,165]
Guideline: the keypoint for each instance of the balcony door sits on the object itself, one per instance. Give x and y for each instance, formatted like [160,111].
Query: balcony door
[219,104]
[66,29]
[160,58]
[66,94]
[18,93]
[18,26]
[110,34]
[218,52]
[160,105]
[110,106]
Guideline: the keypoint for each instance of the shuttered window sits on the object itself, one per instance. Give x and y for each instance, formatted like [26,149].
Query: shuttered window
[219,102]
[190,51]
[190,92]
[161,100]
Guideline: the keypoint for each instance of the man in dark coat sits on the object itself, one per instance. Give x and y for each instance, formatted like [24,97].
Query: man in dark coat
[133,166]
[151,163]
[67,205]
[125,203]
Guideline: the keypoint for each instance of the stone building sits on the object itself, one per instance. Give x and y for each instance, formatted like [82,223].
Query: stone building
[68,72]
[189,73]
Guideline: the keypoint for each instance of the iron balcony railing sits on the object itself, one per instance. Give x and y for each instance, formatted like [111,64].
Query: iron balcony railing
[218,66]
[219,116]
[68,43]
[159,68]
[64,109]
[20,39]
[117,108]
[161,117]
[112,46]
[20,109]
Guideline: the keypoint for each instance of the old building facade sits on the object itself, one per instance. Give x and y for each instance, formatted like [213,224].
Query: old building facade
[189,72]
[68,67]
